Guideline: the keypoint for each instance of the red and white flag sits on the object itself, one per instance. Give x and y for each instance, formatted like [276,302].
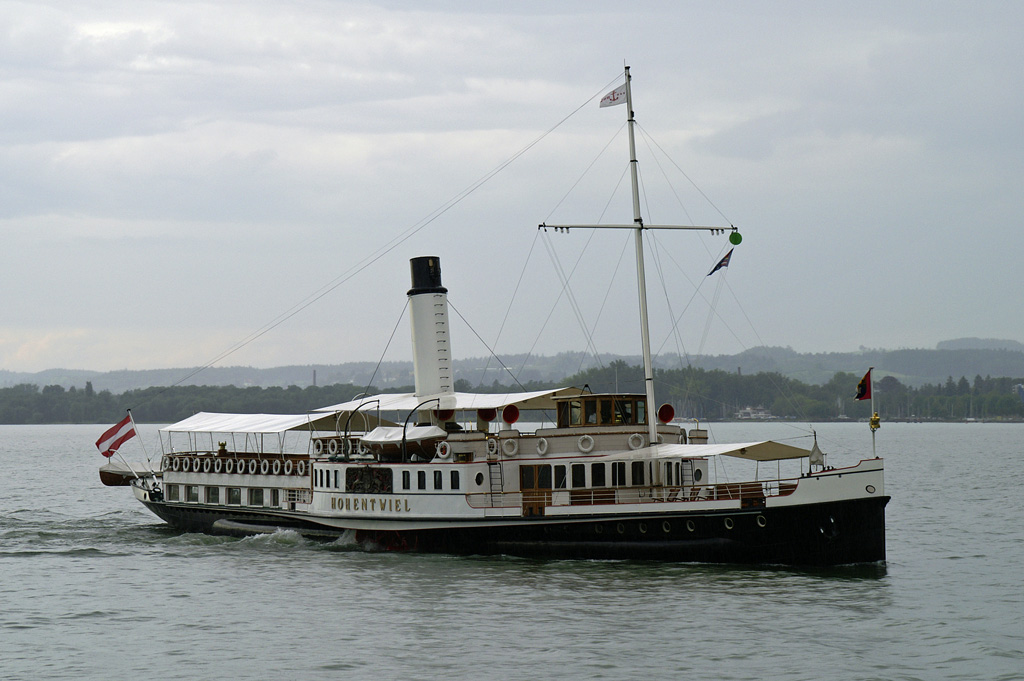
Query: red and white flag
[616,96]
[116,436]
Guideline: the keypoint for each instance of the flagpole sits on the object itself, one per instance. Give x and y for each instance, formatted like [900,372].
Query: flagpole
[874,421]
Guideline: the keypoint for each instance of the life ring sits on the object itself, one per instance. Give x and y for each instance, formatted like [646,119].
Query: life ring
[277,466]
[196,463]
[300,468]
[332,447]
[542,446]
[176,463]
[264,467]
[252,466]
[165,463]
[585,444]
[229,466]
[288,467]
[444,450]
[217,463]
[207,465]
[492,446]
[318,446]
[510,447]
[636,441]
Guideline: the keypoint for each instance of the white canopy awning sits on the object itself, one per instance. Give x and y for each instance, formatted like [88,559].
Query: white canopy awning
[766,450]
[389,435]
[210,422]
[540,399]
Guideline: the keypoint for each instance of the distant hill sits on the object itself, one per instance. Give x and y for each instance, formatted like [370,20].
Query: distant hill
[911,367]
[981,344]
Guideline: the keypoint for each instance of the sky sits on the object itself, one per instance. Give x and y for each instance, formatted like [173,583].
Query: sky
[243,183]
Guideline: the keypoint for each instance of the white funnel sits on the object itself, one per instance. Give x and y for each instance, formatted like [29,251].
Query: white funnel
[431,348]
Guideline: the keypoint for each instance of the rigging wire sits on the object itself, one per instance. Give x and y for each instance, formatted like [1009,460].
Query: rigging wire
[379,253]
[388,345]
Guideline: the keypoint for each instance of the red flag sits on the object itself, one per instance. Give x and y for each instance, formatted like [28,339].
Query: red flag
[116,436]
[864,387]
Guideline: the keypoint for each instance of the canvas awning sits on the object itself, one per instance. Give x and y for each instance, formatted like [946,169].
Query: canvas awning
[765,450]
[540,399]
[212,422]
[390,435]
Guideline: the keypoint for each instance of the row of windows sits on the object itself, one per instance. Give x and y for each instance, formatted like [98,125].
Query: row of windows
[609,410]
[255,496]
[376,480]
[640,473]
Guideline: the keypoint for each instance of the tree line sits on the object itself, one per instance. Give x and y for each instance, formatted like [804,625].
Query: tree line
[706,394]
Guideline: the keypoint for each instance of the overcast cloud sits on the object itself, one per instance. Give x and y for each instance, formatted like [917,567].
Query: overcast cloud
[175,175]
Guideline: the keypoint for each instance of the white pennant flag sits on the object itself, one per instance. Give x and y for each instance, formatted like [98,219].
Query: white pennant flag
[616,96]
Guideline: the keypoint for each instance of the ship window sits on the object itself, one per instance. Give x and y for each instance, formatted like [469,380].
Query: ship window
[275,497]
[213,495]
[336,485]
[618,473]
[406,480]
[559,477]
[543,477]
[641,413]
[256,496]
[455,479]
[638,473]
[597,475]
[526,478]
[624,411]
[172,492]
[606,411]
[421,479]
[590,411]
[575,413]
[235,495]
[437,479]
[579,475]
[192,493]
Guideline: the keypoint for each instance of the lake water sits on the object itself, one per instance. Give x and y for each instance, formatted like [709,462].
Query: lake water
[95,587]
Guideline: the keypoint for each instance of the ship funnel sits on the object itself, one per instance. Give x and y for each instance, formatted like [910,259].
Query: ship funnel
[431,348]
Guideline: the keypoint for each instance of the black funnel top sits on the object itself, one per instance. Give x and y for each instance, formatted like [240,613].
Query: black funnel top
[426,275]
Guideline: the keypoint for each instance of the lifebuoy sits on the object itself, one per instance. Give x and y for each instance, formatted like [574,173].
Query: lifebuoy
[196,463]
[318,446]
[444,450]
[288,467]
[207,465]
[176,463]
[332,447]
[264,467]
[277,466]
[510,447]
[585,444]
[542,446]
[492,446]
[252,466]
[636,441]
[217,465]
[300,468]
[165,463]
[229,466]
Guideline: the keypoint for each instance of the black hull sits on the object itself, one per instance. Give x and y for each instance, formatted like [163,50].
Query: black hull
[832,533]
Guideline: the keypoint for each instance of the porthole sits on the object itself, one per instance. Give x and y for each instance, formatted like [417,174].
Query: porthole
[697,475]
[643,528]
[620,528]
[690,527]
[479,478]
[598,529]
[728,523]
[870,489]
[666,526]
[761,521]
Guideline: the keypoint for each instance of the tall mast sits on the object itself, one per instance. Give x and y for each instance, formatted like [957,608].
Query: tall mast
[641,279]
[638,228]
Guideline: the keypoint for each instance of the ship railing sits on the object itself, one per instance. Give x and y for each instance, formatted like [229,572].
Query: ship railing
[635,495]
